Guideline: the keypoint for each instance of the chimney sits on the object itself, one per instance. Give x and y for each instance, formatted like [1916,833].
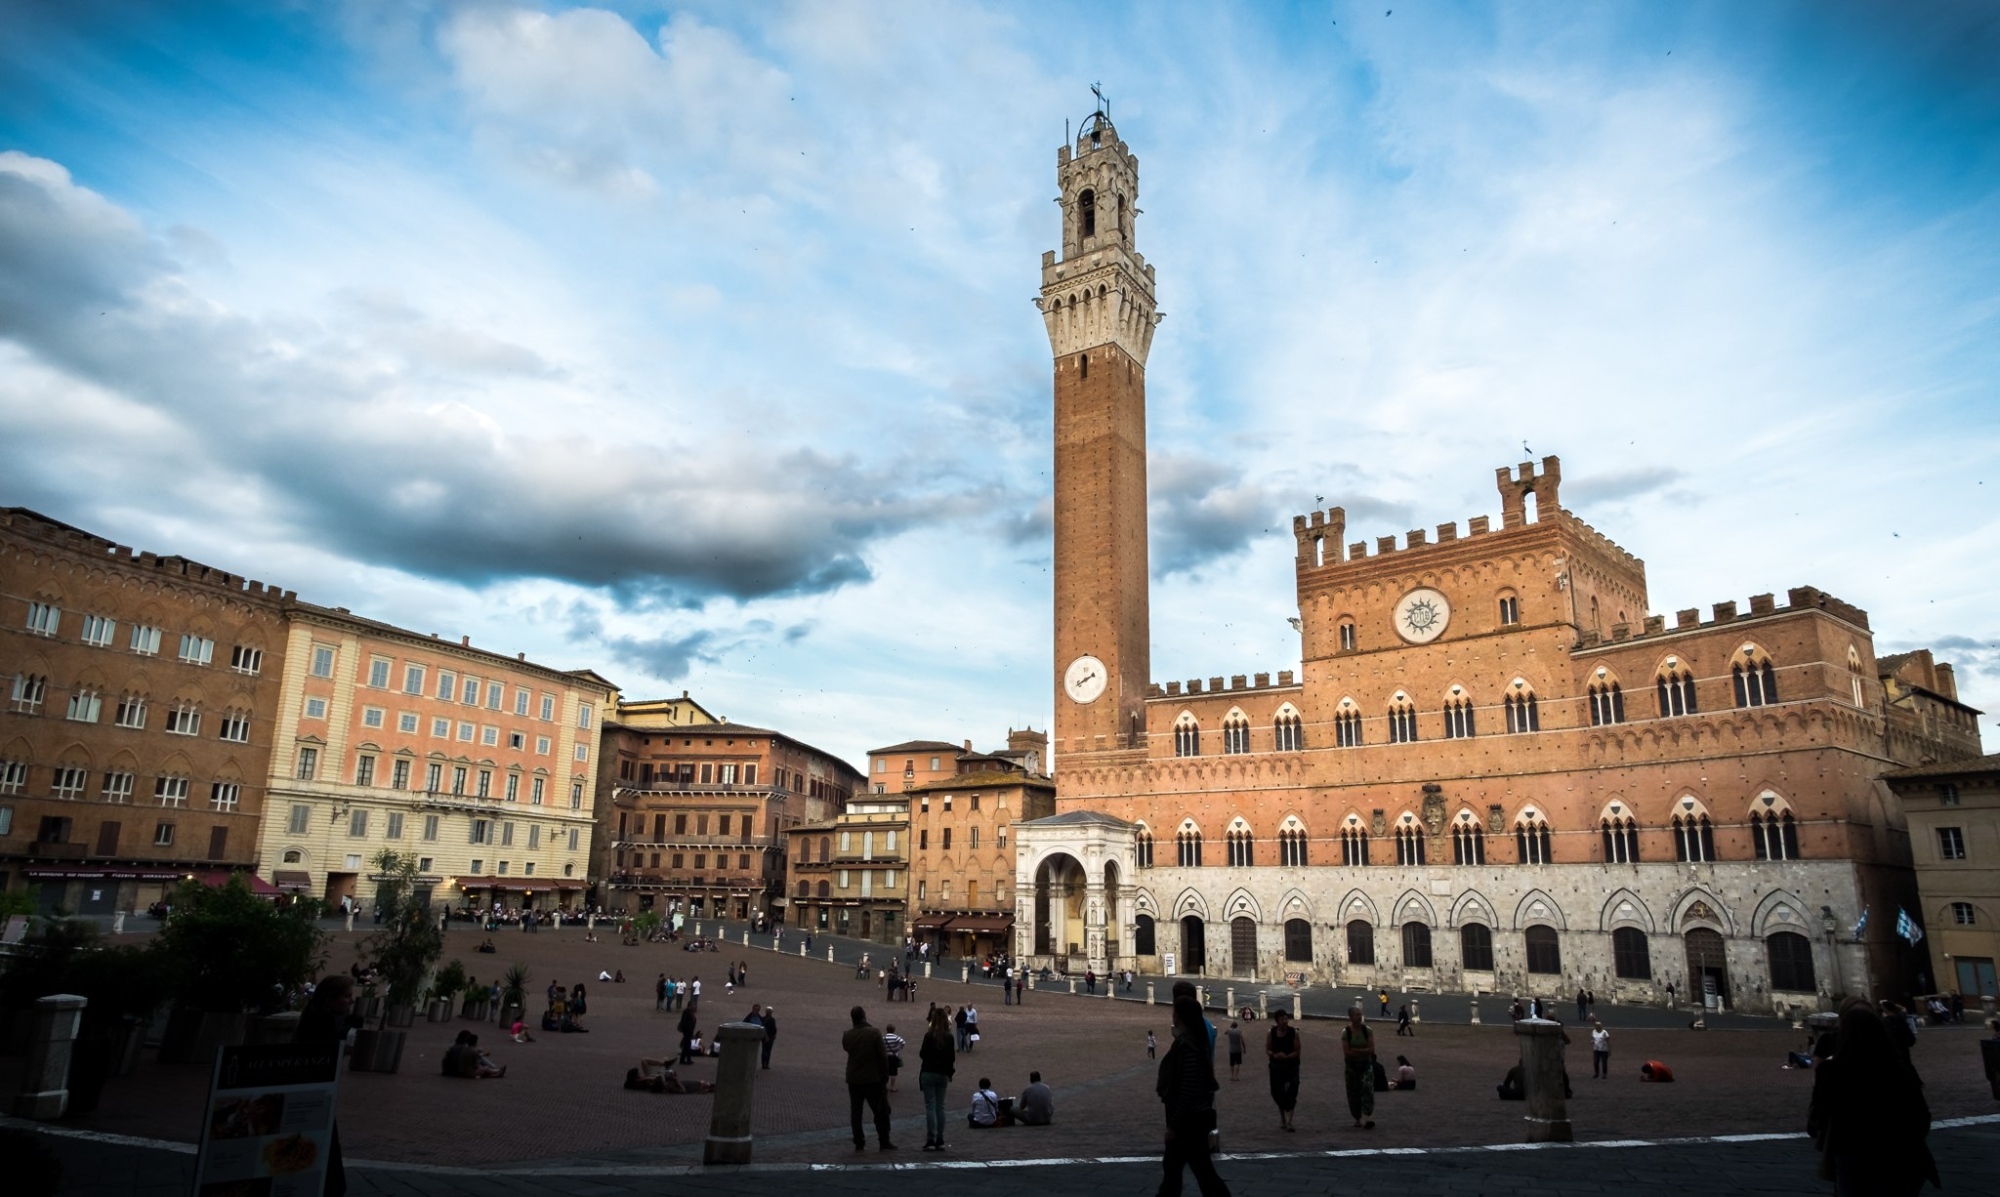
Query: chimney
[465,641]
[968,746]
[1947,681]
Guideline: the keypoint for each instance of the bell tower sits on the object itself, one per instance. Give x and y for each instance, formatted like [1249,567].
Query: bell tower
[1097,301]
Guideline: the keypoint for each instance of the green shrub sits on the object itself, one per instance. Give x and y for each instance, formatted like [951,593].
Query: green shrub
[237,952]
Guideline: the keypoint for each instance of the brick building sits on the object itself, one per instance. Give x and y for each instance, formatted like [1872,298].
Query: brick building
[1495,767]
[479,764]
[850,874]
[962,861]
[142,707]
[697,816]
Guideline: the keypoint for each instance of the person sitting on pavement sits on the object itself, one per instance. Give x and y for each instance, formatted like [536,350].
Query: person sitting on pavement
[658,1076]
[463,1059]
[1406,1074]
[520,1031]
[1512,1088]
[1038,1103]
[1653,1070]
[985,1106]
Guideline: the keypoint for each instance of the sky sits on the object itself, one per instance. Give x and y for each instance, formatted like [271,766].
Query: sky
[693,343]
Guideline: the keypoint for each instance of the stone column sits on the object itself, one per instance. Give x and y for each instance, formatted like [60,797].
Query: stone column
[1094,925]
[1475,1011]
[1298,1015]
[729,1137]
[1414,1016]
[118,922]
[1542,1077]
[1149,993]
[1229,999]
[1263,1004]
[44,1094]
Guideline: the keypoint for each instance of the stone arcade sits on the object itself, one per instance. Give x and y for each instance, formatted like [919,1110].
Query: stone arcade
[1495,769]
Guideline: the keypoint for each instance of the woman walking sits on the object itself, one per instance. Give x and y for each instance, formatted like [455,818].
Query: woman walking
[1282,1046]
[937,1058]
[1187,1086]
[1868,1115]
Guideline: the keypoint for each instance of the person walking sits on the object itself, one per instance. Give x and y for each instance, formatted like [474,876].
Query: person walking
[770,1033]
[660,990]
[694,992]
[1582,1005]
[743,974]
[895,1043]
[1007,987]
[867,1078]
[937,1059]
[1382,996]
[1357,1050]
[686,1028]
[1152,1047]
[971,1026]
[1403,1024]
[1186,1087]
[1282,1046]
[958,1026]
[1868,1116]
[1600,1051]
[1235,1037]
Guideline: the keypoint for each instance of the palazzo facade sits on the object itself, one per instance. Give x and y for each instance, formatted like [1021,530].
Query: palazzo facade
[1495,769]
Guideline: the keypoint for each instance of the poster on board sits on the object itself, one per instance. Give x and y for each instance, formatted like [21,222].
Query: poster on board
[1167,964]
[268,1125]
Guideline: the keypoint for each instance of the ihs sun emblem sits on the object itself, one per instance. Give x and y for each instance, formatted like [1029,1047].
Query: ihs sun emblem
[1422,616]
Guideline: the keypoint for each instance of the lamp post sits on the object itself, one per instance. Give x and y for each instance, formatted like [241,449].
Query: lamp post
[1832,925]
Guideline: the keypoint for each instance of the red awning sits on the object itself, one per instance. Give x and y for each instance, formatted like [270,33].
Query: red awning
[983,924]
[930,922]
[292,880]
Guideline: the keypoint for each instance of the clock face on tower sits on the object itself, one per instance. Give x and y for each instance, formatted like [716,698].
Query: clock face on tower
[1084,680]
[1421,615]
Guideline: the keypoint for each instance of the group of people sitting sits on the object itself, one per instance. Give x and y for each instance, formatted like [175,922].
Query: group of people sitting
[566,1010]
[658,1076]
[464,1059]
[1035,1107]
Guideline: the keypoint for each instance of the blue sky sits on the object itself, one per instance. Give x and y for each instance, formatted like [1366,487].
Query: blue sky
[693,343]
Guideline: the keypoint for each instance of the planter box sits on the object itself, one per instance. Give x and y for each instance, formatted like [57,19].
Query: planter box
[274,1028]
[477,1009]
[125,1051]
[439,1010]
[402,1016]
[510,1012]
[378,1051]
[371,1007]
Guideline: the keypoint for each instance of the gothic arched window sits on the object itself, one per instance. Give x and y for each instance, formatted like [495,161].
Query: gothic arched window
[1531,840]
[1621,839]
[1188,844]
[1607,704]
[1409,842]
[1292,847]
[1694,837]
[1458,718]
[1241,855]
[1775,835]
[1402,721]
[1289,731]
[1086,213]
[1187,736]
[1145,848]
[1235,734]
[1353,845]
[1523,712]
[1468,842]
[1755,681]
[1360,942]
[1676,690]
[1347,727]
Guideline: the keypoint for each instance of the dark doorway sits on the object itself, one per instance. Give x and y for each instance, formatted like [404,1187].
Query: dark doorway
[1708,969]
[1194,945]
[1243,946]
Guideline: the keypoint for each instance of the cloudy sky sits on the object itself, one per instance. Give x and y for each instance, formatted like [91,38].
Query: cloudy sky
[692,343]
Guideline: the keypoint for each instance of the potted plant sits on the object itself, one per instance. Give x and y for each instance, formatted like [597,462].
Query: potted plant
[513,994]
[403,953]
[478,1000]
[122,986]
[236,955]
[448,984]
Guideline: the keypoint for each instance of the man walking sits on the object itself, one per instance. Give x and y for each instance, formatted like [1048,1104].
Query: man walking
[694,993]
[686,1028]
[971,1027]
[660,993]
[867,1078]
[1357,1049]
[1007,987]
[1186,1086]
[770,1032]
[1600,1051]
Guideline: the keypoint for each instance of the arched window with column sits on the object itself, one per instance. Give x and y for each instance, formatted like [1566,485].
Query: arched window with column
[1144,847]
[1468,840]
[1694,834]
[1347,725]
[1675,686]
[1753,677]
[1235,734]
[1292,840]
[1402,720]
[1607,701]
[1409,840]
[1531,839]
[1187,735]
[1621,834]
[1774,834]
[1460,718]
[1242,854]
[1288,730]
[1353,842]
[1360,942]
[1524,713]
[1188,846]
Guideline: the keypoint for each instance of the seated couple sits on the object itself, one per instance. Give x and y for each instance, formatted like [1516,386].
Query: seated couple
[657,1076]
[464,1059]
[1035,1107]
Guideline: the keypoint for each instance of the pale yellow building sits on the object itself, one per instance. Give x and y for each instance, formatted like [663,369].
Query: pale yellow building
[481,765]
[1954,813]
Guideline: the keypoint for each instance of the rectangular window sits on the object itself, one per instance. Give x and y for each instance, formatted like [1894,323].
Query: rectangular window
[750,774]
[536,796]
[163,835]
[184,719]
[131,711]
[583,714]
[513,787]
[399,774]
[70,783]
[97,631]
[44,619]
[534,835]
[548,708]
[301,819]
[707,774]
[378,673]
[680,824]
[477,864]
[423,864]
[1347,637]
[516,740]
[246,660]
[357,824]
[506,835]
[1963,914]
[84,706]
[224,795]
[373,716]
[407,722]
[489,736]
[1951,843]
[118,787]
[322,663]
[465,732]
[145,640]
[583,754]
[413,679]
[170,791]
[486,783]
[315,708]
[574,835]
[576,795]
[972,838]
[433,778]
[923,890]
[447,685]
[521,703]
[843,879]
[308,763]
[470,694]
[1947,795]
[458,779]
[364,770]
[196,650]
[504,866]
[495,694]
[947,839]
[236,726]
[395,829]
[541,745]
[431,830]
[440,729]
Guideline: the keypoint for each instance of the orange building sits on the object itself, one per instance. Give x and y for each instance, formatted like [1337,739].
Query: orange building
[962,861]
[143,700]
[850,874]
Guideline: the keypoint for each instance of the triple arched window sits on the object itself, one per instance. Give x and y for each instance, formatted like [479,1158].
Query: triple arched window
[1235,734]
[1755,681]
[1241,852]
[1459,723]
[1187,736]
[1347,727]
[1292,847]
[1289,731]
[1775,835]
[1694,837]
[1145,848]
[1188,845]
[1468,843]
[1353,845]
[1676,690]
[1523,712]
[1409,842]
[1607,704]
[1531,840]
[1621,839]
[1402,721]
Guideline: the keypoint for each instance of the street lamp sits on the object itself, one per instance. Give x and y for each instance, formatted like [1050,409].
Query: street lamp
[1832,925]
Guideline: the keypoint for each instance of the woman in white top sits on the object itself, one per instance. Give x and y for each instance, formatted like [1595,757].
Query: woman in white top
[1600,1051]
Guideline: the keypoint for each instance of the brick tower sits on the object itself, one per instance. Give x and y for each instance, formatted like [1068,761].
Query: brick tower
[1097,301]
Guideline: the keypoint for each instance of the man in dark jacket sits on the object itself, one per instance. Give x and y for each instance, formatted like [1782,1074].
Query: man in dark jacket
[770,1032]
[867,1078]
[686,1028]
[1187,1086]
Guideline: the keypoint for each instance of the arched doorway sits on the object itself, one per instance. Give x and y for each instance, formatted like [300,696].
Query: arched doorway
[1112,920]
[1243,946]
[1059,906]
[1194,945]
[1708,969]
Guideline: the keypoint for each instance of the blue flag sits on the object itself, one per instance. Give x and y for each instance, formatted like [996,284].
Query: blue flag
[1907,927]
[1862,925]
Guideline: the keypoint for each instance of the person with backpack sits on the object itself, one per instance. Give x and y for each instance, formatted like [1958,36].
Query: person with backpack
[1357,1050]
[1187,1085]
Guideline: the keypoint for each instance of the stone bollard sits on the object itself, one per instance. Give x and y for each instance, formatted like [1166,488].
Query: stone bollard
[729,1137]
[350,920]
[697,930]
[965,974]
[1229,999]
[1111,990]
[1414,1016]
[118,922]
[1149,994]
[1542,1077]
[44,1094]
[1031,980]
[1986,1003]
[746,939]
[1263,1004]
[1201,995]
[829,953]
[590,923]
[1298,1014]
[1072,984]
[1475,1012]
[927,970]
[802,949]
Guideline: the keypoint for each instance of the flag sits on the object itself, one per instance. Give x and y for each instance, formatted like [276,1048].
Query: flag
[1907,927]
[1862,925]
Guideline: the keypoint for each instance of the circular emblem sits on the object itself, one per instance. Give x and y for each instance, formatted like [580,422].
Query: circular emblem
[1421,616]
[1084,680]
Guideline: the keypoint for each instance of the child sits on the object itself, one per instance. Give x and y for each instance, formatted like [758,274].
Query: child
[1152,1047]
[520,1031]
